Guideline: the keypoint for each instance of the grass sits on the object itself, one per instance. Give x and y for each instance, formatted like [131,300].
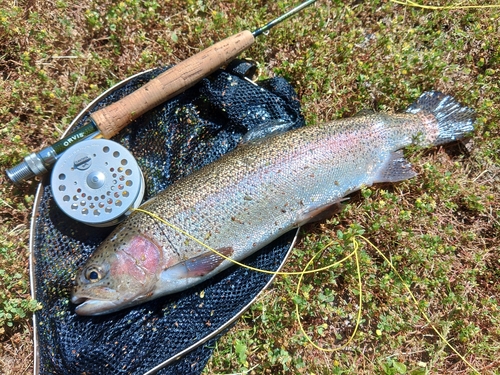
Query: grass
[440,230]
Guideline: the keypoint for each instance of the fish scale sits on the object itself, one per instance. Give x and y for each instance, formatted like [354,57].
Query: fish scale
[253,195]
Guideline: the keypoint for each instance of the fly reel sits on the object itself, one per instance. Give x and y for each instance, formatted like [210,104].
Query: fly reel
[97,182]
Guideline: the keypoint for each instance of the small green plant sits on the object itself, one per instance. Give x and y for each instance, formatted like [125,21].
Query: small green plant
[14,310]
[15,301]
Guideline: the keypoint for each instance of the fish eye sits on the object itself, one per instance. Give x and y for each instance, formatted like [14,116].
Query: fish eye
[94,274]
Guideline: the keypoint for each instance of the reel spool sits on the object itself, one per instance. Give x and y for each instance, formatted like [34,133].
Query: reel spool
[97,182]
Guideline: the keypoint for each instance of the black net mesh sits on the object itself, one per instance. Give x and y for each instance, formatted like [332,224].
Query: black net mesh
[169,142]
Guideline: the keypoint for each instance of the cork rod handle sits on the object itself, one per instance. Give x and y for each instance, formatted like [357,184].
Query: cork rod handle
[113,118]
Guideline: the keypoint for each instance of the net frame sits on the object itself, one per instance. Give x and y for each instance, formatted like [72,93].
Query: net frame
[199,350]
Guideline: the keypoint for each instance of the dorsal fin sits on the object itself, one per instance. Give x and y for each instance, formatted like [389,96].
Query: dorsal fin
[266,130]
[364,112]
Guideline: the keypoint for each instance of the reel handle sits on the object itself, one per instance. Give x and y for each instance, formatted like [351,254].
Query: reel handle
[113,118]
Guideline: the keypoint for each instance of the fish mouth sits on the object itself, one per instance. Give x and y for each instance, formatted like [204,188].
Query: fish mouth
[100,301]
[93,307]
[78,300]
[90,306]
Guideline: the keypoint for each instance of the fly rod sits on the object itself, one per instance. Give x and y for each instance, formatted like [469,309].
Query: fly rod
[109,120]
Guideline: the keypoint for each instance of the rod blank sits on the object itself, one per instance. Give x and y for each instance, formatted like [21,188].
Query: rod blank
[113,118]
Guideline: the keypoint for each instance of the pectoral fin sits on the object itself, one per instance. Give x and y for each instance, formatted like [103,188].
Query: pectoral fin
[197,266]
[396,169]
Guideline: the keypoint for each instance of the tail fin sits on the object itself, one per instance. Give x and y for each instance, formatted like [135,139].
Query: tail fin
[454,120]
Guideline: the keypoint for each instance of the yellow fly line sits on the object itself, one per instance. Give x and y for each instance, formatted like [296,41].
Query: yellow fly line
[443,7]
[360,303]
[355,251]
[424,315]
[180,230]
[305,271]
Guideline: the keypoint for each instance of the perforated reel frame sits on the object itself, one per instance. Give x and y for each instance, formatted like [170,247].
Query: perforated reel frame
[97,182]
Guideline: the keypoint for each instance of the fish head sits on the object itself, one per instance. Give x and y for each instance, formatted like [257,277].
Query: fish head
[122,272]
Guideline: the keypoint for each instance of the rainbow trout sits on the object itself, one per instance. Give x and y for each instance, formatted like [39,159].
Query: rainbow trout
[253,195]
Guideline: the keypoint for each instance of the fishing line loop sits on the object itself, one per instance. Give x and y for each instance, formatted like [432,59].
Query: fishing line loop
[360,302]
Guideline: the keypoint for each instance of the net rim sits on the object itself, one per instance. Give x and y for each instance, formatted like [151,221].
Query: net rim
[35,211]
[38,199]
